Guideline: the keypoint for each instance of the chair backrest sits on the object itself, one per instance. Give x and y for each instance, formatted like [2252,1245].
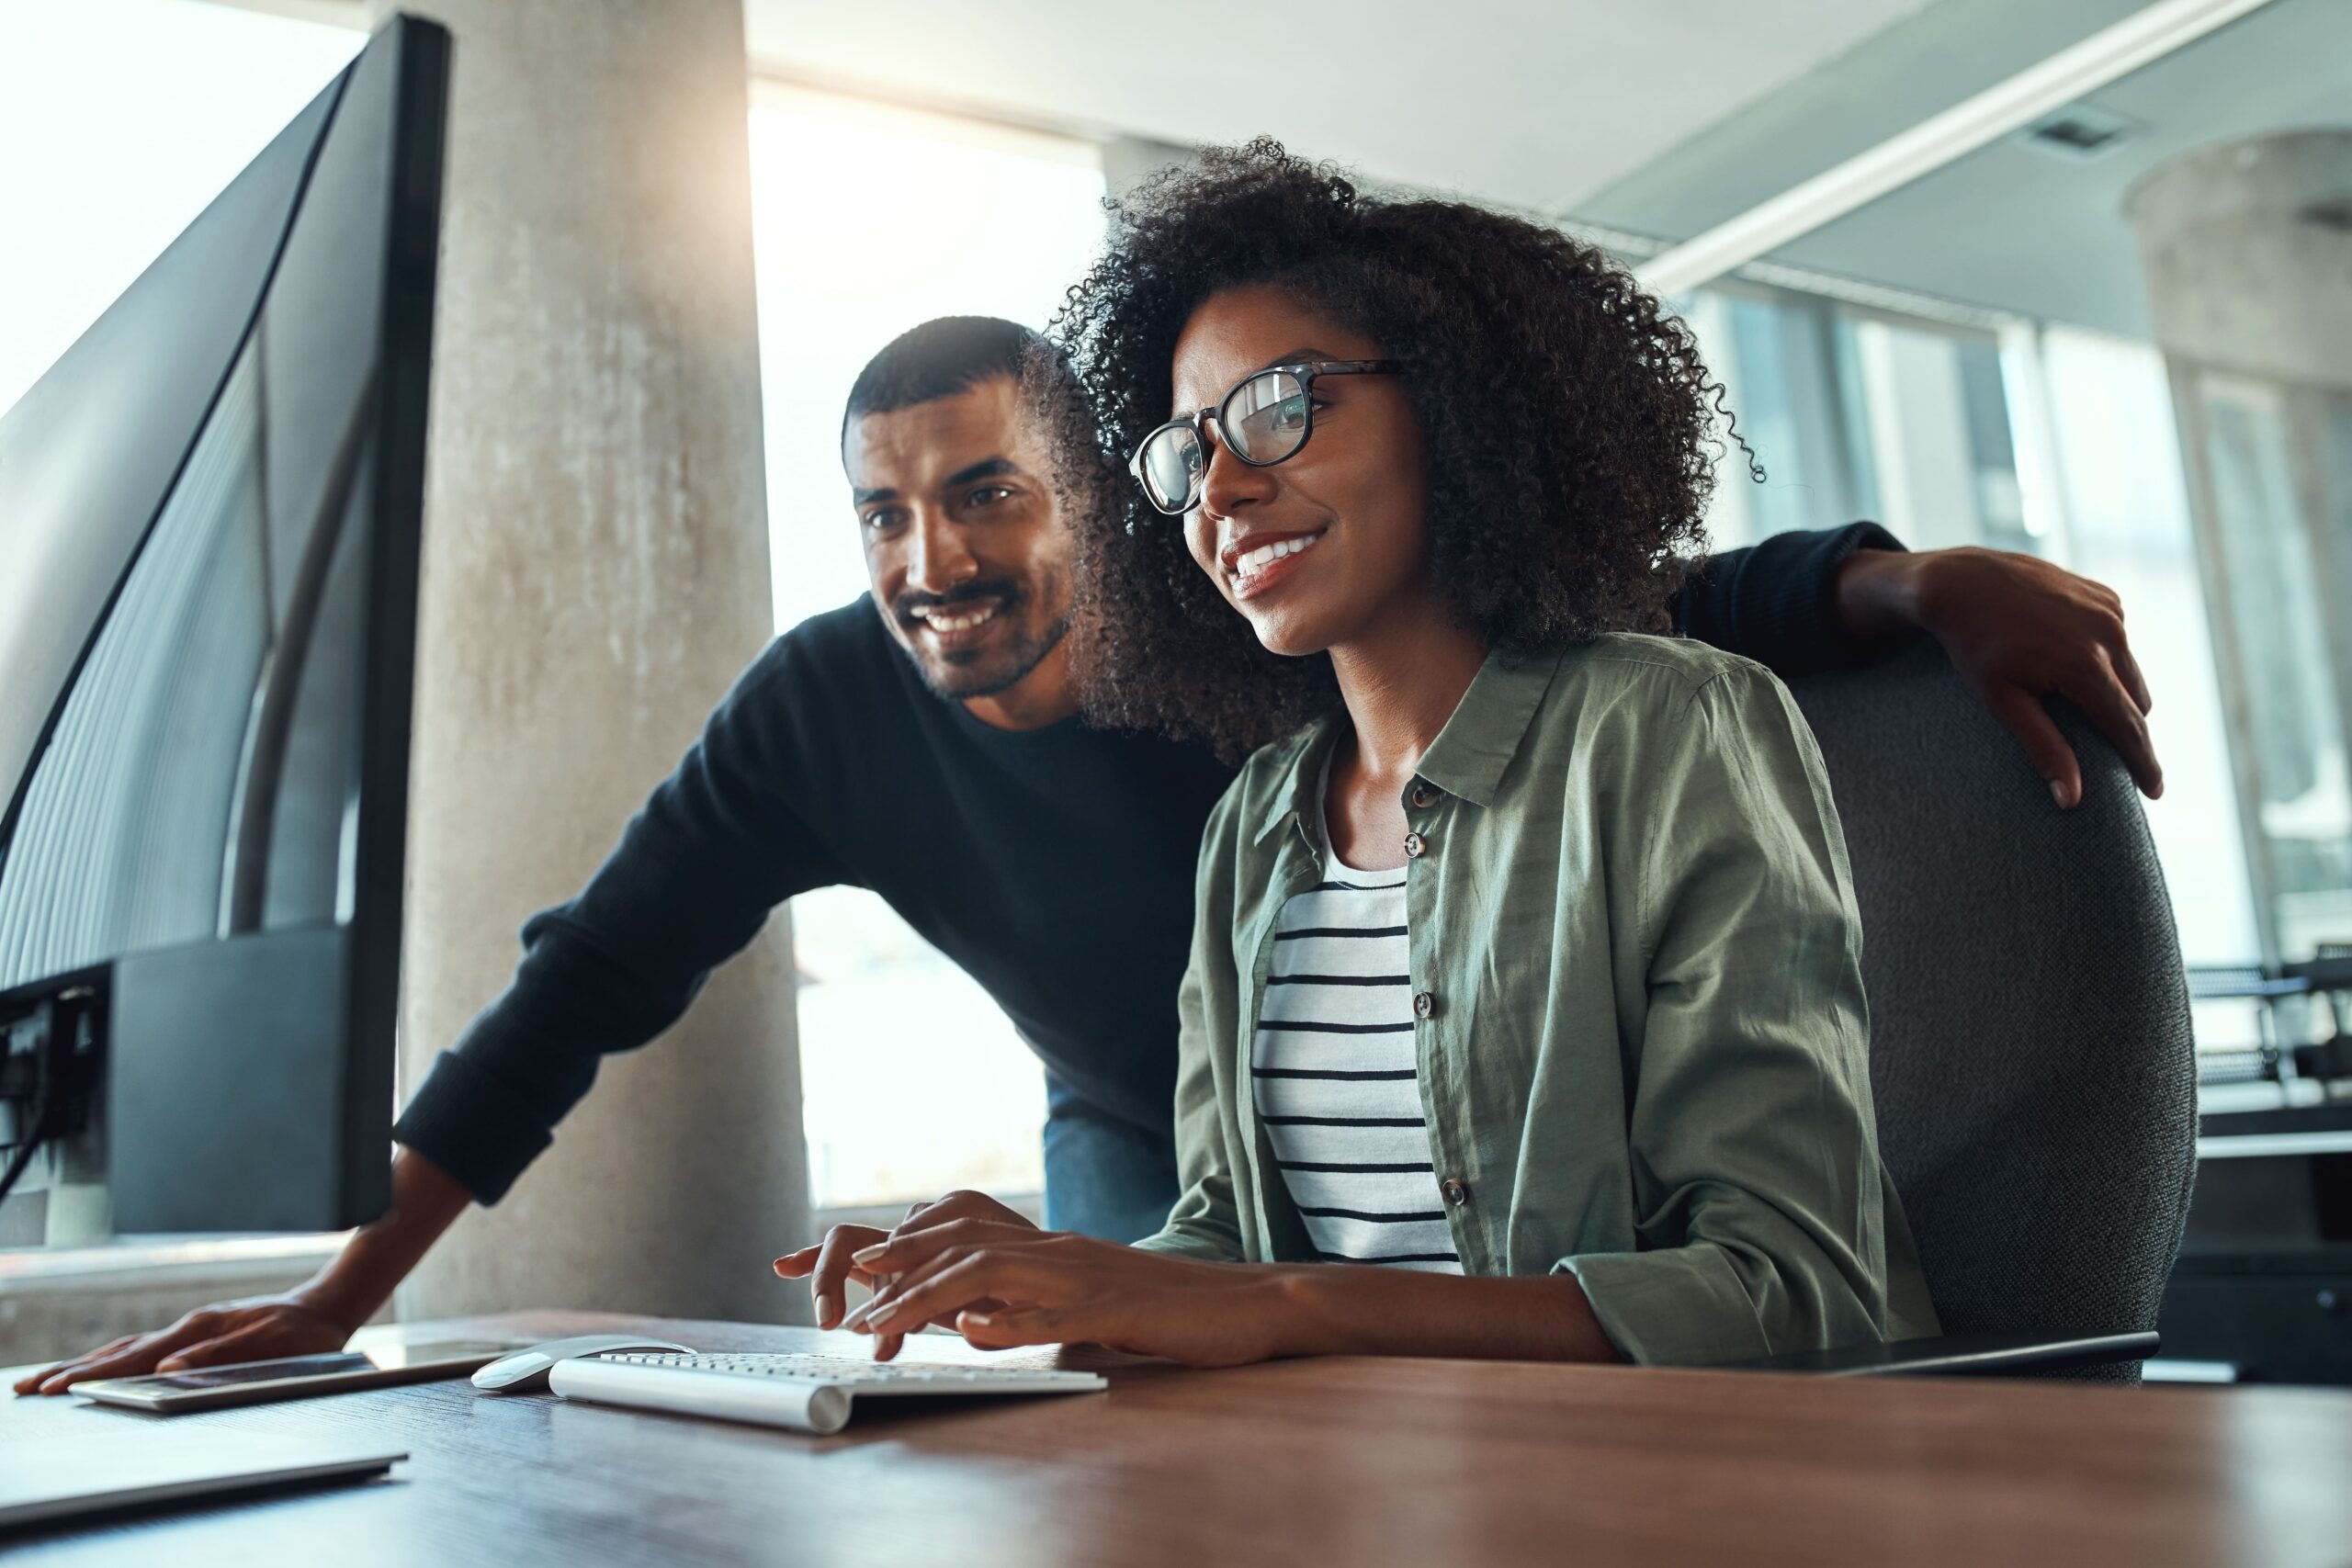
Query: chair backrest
[2031,1051]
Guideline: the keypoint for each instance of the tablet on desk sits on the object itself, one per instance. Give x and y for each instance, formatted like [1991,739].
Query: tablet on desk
[297,1377]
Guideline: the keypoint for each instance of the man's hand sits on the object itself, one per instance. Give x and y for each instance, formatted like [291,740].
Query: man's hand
[829,1263]
[258,1328]
[2017,629]
[1006,1285]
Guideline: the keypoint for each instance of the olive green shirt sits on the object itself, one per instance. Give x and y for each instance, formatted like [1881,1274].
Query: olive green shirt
[1642,1039]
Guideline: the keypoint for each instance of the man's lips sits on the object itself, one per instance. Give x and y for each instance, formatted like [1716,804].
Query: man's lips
[955,624]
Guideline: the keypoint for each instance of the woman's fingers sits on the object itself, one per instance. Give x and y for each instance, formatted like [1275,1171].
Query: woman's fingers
[1007,1329]
[906,1251]
[829,1268]
[966,1280]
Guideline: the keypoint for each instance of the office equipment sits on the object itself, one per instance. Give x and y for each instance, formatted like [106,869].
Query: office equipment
[1364,1461]
[291,1377]
[70,1475]
[803,1392]
[209,542]
[2031,1051]
[525,1372]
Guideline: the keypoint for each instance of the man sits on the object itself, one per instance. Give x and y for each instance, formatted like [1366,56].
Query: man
[933,753]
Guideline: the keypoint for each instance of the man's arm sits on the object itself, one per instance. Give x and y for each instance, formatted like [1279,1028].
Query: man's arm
[312,1319]
[2017,629]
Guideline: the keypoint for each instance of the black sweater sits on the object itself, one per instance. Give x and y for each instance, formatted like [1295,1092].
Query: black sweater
[1055,865]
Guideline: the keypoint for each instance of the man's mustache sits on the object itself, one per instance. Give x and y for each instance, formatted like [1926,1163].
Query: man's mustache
[1005,590]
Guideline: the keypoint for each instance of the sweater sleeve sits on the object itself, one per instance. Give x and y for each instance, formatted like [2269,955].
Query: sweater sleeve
[696,871]
[1776,602]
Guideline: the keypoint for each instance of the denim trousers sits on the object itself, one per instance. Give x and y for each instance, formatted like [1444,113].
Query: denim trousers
[1104,1176]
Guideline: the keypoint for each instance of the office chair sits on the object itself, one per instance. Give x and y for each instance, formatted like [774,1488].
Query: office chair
[2031,1052]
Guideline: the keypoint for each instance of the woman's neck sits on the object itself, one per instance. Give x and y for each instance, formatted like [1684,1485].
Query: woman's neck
[1402,683]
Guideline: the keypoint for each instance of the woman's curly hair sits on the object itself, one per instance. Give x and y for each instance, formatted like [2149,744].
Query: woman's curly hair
[1569,427]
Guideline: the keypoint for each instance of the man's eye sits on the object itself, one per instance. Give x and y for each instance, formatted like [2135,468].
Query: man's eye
[883,521]
[987,495]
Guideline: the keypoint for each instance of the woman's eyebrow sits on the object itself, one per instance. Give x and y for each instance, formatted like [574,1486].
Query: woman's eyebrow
[1293,356]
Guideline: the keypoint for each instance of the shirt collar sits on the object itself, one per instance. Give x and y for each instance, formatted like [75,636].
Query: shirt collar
[1468,758]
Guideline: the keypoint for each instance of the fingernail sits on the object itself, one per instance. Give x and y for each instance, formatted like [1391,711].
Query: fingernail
[979,1319]
[2058,794]
[856,1319]
[880,1312]
[867,1255]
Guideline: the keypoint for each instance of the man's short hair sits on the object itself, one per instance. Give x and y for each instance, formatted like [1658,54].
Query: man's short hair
[937,359]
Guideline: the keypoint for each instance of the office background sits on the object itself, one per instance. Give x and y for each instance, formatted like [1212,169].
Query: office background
[2015,349]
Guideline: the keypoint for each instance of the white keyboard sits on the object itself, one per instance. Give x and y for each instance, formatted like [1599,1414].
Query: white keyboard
[804,1393]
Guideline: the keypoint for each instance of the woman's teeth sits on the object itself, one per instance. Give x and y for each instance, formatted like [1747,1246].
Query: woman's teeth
[1259,559]
[942,621]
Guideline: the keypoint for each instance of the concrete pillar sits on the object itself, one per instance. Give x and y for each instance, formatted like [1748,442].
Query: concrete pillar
[596,574]
[2247,251]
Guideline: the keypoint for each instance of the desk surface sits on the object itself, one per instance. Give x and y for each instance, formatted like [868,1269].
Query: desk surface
[1431,1463]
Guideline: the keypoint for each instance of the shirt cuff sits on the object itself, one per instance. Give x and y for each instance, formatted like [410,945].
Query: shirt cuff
[476,1129]
[1797,619]
[1675,1307]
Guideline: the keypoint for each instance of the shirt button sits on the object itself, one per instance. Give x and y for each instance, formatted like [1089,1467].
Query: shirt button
[1456,1190]
[1424,1004]
[1414,845]
[1423,797]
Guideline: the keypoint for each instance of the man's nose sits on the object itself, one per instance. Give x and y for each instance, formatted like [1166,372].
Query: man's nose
[938,559]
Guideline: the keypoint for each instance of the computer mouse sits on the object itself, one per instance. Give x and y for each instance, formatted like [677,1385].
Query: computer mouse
[525,1372]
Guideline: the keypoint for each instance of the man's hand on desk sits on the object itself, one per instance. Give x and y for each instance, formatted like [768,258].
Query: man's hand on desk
[255,1329]
[2017,629]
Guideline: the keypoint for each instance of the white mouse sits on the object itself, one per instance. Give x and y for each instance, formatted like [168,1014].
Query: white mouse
[525,1372]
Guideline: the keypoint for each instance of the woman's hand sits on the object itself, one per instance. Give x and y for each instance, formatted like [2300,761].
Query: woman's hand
[1007,1284]
[828,1263]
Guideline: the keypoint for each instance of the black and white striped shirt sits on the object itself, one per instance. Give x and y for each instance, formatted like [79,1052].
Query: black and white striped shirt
[1335,1074]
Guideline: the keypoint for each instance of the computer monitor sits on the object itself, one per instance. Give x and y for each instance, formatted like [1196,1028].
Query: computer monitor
[209,515]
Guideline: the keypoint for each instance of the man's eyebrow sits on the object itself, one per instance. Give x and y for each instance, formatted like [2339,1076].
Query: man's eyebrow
[986,469]
[860,497]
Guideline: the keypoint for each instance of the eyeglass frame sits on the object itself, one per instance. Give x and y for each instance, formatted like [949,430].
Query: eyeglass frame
[1305,370]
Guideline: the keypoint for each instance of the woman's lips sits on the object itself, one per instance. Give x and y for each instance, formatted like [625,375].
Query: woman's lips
[1248,571]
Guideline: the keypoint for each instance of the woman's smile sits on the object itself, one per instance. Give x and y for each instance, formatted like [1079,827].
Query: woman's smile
[1257,562]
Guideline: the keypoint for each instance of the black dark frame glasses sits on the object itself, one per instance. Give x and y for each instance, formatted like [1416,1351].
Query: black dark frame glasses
[1264,419]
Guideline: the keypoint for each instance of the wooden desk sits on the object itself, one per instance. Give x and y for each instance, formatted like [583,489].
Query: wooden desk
[1429,1463]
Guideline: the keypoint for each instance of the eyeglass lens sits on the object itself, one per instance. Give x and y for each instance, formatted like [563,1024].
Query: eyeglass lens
[1263,420]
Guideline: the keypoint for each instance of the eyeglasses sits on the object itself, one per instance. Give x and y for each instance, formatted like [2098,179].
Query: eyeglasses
[1264,420]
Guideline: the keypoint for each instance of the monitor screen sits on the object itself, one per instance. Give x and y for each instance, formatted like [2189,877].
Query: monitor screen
[209,512]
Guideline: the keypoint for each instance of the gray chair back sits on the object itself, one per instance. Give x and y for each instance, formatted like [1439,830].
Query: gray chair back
[2031,1051]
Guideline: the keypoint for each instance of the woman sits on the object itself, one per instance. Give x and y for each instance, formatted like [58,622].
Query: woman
[1523,1017]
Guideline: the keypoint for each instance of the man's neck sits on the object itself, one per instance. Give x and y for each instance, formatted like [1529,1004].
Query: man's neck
[1045,696]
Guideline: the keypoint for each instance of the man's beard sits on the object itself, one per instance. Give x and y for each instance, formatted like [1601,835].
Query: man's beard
[981,671]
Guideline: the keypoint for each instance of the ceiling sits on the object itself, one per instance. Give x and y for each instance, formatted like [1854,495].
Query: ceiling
[1521,102]
[2016,228]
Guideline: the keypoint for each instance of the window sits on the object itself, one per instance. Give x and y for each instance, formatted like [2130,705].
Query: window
[120,121]
[868,221]
[2058,442]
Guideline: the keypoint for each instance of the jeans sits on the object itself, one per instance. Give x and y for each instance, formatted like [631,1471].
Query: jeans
[1104,1176]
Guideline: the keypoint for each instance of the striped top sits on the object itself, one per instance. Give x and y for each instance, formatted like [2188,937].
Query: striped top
[1335,1075]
